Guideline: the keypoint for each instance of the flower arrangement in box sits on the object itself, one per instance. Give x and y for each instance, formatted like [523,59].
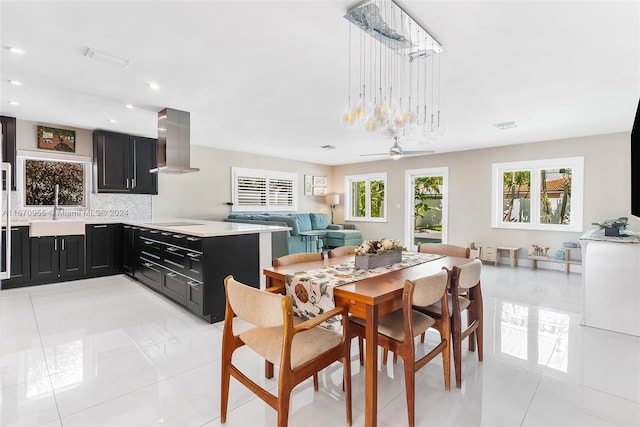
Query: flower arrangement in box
[378,253]
[612,227]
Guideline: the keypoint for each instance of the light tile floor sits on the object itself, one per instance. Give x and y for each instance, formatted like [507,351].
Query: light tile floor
[110,352]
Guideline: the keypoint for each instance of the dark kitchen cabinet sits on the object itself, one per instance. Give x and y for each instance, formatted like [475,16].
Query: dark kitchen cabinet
[20,256]
[104,254]
[9,148]
[121,163]
[129,251]
[57,257]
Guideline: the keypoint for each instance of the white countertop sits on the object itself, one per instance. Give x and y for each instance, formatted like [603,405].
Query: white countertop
[196,227]
[202,228]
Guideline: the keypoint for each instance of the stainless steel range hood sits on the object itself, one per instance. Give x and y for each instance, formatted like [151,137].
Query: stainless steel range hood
[173,142]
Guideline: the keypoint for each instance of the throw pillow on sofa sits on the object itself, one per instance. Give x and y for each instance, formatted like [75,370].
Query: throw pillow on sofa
[320,221]
[304,221]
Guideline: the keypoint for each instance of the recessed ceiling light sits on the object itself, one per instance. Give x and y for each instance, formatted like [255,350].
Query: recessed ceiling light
[130,106]
[153,85]
[14,103]
[506,125]
[15,82]
[17,50]
[112,121]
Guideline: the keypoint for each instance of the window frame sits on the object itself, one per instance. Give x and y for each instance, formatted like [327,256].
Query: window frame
[21,176]
[237,172]
[368,177]
[576,164]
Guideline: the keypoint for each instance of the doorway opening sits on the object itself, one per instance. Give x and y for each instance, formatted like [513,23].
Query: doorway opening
[426,206]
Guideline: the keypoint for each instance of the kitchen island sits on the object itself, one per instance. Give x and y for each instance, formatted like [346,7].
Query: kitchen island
[184,259]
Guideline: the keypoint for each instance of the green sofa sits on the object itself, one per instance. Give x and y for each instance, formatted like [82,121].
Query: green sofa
[310,232]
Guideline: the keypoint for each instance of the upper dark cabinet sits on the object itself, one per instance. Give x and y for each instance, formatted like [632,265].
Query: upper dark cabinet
[9,148]
[121,163]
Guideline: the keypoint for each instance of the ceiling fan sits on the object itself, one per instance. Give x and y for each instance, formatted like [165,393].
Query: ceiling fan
[396,151]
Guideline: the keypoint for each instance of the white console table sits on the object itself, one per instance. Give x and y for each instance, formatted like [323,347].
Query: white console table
[611,282]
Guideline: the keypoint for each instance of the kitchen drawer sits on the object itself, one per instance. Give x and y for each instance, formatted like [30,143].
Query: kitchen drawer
[174,258]
[151,249]
[194,243]
[175,287]
[150,274]
[195,266]
[165,236]
[195,297]
[179,240]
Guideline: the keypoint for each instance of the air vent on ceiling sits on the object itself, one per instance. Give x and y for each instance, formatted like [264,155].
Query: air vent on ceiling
[506,125]
[328,147]
[106,57]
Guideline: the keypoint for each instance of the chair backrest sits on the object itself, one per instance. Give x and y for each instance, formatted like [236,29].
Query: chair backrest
[444,249]
[297,258]
[341,251]
[468,275]
[260,308]
[430,289]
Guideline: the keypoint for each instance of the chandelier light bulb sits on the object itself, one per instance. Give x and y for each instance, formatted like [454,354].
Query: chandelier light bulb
[370,125]
[349,118]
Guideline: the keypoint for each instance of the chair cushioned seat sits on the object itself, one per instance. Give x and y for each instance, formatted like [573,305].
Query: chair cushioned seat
[392,325]
[267,342]
[437,308]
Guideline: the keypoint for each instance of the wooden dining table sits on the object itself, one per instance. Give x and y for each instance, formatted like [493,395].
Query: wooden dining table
[369,299]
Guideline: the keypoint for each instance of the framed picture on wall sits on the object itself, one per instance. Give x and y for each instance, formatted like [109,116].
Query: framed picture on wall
[308,185]
[319,191]
[56,139]
[319,181]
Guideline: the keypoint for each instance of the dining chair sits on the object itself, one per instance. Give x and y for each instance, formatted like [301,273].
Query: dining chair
[397,330]
[342,251]
[444,249]
[300,348]
[297,258]
[464,294]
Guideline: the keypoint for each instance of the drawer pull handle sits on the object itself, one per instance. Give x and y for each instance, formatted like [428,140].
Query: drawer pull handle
[178,236]
[193,255]
[192,284]
[148,242]
[148,264]
[171,274]
[154,231]
[165,233]
[192,239]
[100,226]
[172,249]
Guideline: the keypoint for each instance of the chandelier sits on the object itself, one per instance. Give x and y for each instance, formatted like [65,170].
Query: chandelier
[398,73]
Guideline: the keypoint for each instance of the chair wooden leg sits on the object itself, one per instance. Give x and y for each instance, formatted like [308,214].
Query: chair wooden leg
[446,365]
[395,358]
[268,369]
[457,358]
[479,335]
[361,350]
[409,379]
[224,392]
[283,408]
[385,355]
[346,384]
[315,382]
[422,337]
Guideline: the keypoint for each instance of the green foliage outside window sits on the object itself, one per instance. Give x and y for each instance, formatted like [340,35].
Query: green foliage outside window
[41,177]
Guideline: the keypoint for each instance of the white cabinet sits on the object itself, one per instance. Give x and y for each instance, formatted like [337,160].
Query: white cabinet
[611,285]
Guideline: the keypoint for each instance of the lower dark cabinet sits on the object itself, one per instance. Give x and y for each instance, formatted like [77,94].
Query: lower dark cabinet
[129,244]
[20,256]
[57,257]
[104,255]
[175,287]
[150,274]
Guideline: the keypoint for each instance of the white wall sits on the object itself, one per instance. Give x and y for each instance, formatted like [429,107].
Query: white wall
[204,194]
[607,193]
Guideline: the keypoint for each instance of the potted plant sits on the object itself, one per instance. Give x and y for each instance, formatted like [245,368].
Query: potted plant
[378,253]
[612,227]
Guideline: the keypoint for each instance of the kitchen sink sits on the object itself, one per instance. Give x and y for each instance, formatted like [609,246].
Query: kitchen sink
[47,227]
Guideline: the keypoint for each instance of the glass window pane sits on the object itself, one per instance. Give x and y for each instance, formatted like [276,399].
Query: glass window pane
[555,196]
[516,200]
[359,199]
[377,199]
[41,177]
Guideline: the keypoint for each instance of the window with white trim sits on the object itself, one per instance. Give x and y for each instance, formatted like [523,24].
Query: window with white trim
[41,175]
[365,197]
[263,190]
[538,194]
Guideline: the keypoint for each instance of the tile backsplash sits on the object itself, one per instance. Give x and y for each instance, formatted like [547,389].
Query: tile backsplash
[101,207]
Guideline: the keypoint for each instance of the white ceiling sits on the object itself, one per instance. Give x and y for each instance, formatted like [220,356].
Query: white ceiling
[270,77]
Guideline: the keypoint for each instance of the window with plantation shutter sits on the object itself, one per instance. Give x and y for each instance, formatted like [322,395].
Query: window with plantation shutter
[262,190]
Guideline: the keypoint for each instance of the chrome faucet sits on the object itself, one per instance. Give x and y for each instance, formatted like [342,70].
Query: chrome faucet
[55,202]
